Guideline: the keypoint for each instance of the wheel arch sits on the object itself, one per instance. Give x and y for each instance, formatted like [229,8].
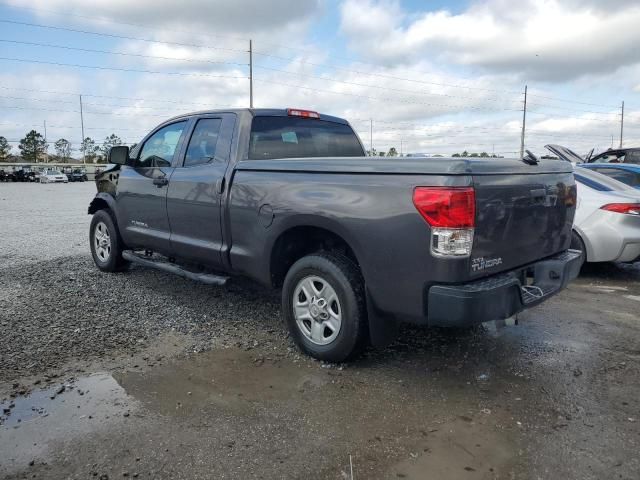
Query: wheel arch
[102,201]
[587,246]
[300,240]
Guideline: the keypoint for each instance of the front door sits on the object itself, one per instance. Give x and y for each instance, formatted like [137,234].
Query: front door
[196,188]
[142,190]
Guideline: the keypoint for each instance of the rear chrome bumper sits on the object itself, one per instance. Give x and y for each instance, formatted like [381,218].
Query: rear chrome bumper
[501,296]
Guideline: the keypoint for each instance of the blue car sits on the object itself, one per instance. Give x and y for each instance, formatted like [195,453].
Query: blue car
[628,173]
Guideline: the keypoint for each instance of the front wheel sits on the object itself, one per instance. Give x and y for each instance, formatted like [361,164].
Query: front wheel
[106,245]
[323,305]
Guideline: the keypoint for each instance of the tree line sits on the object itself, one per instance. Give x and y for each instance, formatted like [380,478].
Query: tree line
[375,153]
[34,148]
[482,155]
[394,153]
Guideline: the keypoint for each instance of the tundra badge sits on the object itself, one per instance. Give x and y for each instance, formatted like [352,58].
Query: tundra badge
[479,264]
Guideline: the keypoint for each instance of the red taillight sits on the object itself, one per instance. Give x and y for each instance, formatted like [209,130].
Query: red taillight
[628,208]
[446,207]
[295,112]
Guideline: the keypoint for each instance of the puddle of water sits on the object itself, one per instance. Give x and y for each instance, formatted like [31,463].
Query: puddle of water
[218,388]
[231,380]
[45,416]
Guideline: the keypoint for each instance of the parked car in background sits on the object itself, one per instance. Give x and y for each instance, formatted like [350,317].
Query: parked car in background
[78,175]
[627,173]
[25,174]
[620,155]
[6,176]
[50,175]
[607,222]
[606,226]
[564,153]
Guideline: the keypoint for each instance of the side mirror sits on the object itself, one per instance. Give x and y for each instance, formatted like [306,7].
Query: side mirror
[119,155]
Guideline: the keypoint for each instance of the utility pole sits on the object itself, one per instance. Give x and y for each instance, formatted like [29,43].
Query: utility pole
[84,158]
[371,136]
[46,155]
[250,74]
[524,121]
[622,124]
[401,147]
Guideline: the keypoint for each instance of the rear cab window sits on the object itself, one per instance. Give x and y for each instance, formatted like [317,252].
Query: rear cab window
[297,137]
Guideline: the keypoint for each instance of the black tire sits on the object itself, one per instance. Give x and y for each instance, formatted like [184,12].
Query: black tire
[578,244]
[114,261]
[344,277]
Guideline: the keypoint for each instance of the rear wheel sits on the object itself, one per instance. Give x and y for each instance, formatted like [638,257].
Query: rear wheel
[106,244]
[578,244]
[324,307]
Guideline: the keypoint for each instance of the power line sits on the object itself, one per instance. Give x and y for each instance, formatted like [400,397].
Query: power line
[120,22]
[555,107]
[138,99]
[79,142]
[35,25]
[554,115]
[385,99]
[111,52]
[86,113]
[75,65]
[557,99]
[123,37]
[163,109]
[382,75]
[374,86]
[74,127]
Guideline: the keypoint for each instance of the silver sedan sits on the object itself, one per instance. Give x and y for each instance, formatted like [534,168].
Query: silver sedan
[607,221]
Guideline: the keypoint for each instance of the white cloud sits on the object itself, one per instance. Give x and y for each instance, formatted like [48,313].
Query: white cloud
[538,39]
[414,94]
[196,16]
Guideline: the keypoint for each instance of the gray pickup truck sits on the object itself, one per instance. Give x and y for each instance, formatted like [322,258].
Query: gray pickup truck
[357,244]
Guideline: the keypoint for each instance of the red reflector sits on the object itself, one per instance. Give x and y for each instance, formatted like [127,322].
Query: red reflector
[294,112]
[446,207]
[630,208]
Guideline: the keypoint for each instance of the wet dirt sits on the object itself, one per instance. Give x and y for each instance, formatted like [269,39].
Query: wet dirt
[305,416]
[552,397]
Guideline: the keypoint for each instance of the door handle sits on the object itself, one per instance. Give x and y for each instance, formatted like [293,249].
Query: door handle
[538,193]
[160,181]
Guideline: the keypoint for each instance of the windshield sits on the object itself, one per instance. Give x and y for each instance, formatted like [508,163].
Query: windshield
[598,181]
[618,156]
[296,137]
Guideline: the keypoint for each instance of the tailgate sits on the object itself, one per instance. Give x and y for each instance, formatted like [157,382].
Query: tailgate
[521,217]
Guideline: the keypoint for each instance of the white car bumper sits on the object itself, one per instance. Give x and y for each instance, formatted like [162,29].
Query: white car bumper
[611,237]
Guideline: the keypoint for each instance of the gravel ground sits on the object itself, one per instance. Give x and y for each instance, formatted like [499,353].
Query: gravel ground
[141,374]
[43,221]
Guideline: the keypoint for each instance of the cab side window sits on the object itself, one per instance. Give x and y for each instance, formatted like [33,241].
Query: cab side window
[159,149]
[203,142]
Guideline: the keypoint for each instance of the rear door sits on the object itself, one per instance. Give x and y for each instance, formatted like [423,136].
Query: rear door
[196,189]
[523,213]
[142,190]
